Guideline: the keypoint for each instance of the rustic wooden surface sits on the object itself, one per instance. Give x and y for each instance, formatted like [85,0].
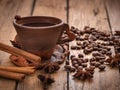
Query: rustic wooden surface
[101,14]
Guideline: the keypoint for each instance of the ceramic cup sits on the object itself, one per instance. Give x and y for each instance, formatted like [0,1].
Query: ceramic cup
[40,34]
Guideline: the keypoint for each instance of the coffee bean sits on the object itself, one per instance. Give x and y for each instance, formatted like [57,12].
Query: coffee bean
[72,56]
[76,65]
[102,61]
[109,53]
[80,55]
[84,64]
[75,47]
[102,67]
[97,64]
[93,63]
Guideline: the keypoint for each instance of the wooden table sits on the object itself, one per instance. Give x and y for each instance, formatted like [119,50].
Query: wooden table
[101,14]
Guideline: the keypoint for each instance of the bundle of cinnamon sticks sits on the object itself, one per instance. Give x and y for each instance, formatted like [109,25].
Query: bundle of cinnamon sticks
[18,73]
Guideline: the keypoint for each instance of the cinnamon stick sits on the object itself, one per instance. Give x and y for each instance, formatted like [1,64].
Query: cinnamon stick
[12,75]
[18,52]
[23,70]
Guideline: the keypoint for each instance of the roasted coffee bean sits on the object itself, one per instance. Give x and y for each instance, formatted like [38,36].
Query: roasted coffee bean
[77,38]
[86,37]
[105,44]
[86,43]
[69,68]
[92,67]
[87,50]
[102,61]
[93,38]
[79,62]
[102,67]
[75,59]
[82,32]
[80,55]
[108,49]
[87,29]
[96,54]
[72,69]
[75,47]
[118,49]
[84,64]
[92,59]
[97,36]
[109,53]
[93,63]
[80,68]
[72,56]
[111,43]
[78,48]
[104,51]
[95,48]
[81,39]
[97,64]
[83,46]
[74,62]
[97,58]
[92,29]
[94,33]
[76,65]
[85,60]
[78,43]
[105,39]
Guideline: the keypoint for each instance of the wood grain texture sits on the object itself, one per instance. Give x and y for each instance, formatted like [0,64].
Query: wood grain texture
[92,13]
[51,8]
[113,10]
[82,13]
[47,8]
[55,9]
[8,9]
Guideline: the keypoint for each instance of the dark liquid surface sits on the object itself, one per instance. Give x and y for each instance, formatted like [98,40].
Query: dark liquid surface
[38,24]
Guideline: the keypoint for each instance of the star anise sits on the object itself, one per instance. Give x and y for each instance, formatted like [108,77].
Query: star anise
[114,61]
[46,79]
[51,67]
[117,32]
[84,74]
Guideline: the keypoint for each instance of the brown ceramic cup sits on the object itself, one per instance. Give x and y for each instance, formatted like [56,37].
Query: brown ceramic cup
[40,34]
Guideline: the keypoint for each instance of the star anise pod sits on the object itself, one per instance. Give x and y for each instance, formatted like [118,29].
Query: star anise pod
[84,74]
[114,61]
[51,67]
[117,32]
[46,79]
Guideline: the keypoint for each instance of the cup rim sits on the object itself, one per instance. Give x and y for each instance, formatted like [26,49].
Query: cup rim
[43,27]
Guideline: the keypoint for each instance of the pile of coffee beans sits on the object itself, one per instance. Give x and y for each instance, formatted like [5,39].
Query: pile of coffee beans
[94,48]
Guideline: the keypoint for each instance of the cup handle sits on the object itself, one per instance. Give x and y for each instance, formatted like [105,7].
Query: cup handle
[71,35]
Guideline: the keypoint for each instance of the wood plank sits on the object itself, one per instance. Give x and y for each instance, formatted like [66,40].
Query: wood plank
[92,13]
[51,8]
[9,9]
[113,10]
[56,9]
